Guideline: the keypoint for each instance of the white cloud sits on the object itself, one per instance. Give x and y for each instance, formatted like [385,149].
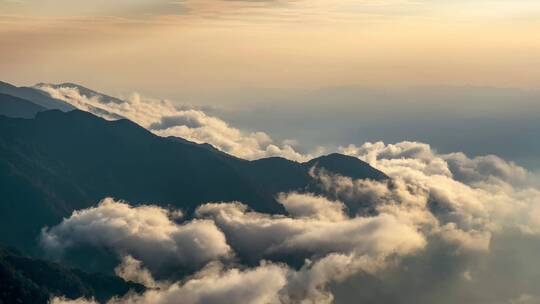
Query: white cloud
[334,245]
[132,270]
[260,235]
[310,206]
[63,300]
[148,233]
[214,284]
[463,199]
[310,284]
[264,284]
[421,157]
[163,118]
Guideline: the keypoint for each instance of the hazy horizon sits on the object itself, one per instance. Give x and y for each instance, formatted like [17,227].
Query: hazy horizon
[451,118]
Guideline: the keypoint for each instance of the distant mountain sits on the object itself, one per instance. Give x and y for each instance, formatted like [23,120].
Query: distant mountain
[19,108]
[35,96]
[27,280]
[60,162]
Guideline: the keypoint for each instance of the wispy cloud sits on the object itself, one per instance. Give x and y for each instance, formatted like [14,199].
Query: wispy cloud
[165,119]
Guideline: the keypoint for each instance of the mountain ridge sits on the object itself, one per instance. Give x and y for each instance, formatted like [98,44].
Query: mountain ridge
[35,96]
[59,162]
[84,91]
[12,106]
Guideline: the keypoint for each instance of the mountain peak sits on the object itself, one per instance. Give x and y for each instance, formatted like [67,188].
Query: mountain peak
[346,165]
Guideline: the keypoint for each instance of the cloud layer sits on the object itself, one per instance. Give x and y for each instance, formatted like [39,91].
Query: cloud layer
[332,245]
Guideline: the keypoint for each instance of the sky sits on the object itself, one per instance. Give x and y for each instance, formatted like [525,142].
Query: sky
[166,47]
[457,74]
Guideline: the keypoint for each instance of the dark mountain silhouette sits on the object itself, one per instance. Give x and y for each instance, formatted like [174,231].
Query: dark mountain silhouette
[19,108]
[346,166]
[35,96]
[28,280]
[59,162]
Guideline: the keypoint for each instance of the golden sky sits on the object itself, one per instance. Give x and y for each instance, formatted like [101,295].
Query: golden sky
[163,45]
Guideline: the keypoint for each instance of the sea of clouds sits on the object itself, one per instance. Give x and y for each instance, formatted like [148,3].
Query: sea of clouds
[444,228]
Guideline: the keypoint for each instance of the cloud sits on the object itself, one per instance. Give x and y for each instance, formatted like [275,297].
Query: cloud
[132,270]
[259,235]
[147,233]
[163,118]
[463,199]
[332,245]
[263,284]
[302,205]
[420,156]
[63,300]
[214,284]
[310,284]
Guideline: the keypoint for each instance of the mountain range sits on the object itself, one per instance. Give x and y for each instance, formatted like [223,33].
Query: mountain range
[55,159]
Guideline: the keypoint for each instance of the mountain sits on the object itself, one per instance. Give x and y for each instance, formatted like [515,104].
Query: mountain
[19,108]
[63,161]
[35,96]
[346,166]
[27,280]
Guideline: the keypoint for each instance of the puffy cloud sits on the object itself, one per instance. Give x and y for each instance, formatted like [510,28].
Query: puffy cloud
[214,284]
[63,300]
[310,283]
[148,233]
[263,284]
[260,235]
[334,246]
[470,240]
[132,270]
[310,206]
[165,119]
[484,168]
[462,199]
[395,158]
